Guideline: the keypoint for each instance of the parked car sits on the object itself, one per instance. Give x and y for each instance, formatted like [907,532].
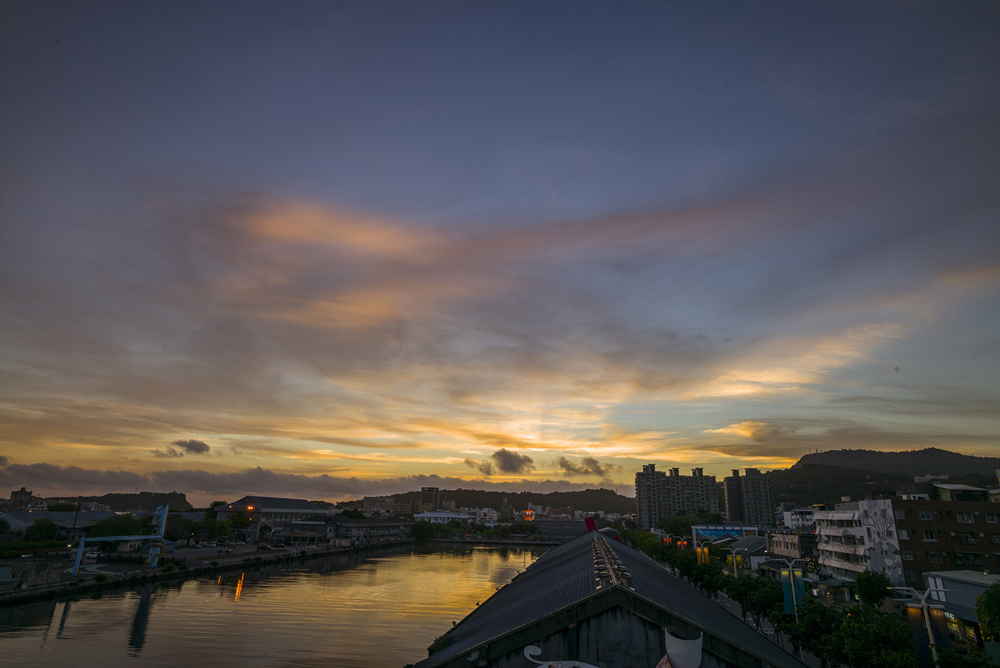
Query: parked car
[93,555]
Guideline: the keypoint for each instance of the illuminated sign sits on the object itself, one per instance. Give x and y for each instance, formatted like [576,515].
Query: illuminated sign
[529,515]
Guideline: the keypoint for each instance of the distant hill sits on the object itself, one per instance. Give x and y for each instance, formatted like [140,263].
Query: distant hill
[826,477]
[930,461]
[592,500]
[140,501]
[822,483]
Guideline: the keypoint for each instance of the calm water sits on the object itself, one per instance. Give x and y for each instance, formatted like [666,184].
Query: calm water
[374,609]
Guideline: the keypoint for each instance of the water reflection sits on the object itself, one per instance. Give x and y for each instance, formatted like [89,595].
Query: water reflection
[137,637]
[381,609]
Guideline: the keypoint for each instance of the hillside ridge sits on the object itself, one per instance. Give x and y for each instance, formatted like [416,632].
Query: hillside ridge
[928,461]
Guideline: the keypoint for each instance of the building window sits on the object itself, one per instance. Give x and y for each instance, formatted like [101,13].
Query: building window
[991,518]
[904,534]
[926,515]
[907,555]
[964,518]
[934,557]
[929,536]
[995,538]
[900,514]
[967,538]
[911,576]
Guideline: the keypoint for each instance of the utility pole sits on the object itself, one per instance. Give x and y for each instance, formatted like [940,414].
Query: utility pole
[927,617]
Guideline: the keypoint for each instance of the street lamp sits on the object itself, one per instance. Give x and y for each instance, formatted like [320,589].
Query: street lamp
[927,617]
[733,551]
[791,581]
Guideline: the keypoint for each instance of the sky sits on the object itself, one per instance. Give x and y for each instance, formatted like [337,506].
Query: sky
[337,249]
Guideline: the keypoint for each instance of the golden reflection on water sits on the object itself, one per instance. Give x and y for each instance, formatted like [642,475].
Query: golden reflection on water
[363,609]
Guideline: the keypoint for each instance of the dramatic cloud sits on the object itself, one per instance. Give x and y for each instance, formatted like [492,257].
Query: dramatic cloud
[168,453]
[503,461]
[204,486]
[802,257]
[587,466]
[193,446]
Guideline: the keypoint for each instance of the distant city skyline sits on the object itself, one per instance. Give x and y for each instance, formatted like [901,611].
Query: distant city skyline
[328,250]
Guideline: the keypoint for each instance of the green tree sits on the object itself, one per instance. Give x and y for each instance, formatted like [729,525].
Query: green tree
[872,587]
[121,525]
[648,543]
[422,530]
[988,611]
[239,522]
[63,507]
[528,528]
[868,638]
[977,658]
[43,529]
[351,514]
[678,525]
[213,510]
[815,625]
[685,562]
[708,578]
[759,597]
[179,527]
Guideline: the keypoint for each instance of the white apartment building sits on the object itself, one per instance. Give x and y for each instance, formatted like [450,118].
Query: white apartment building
[799,519]
[441,517]
[859,536]
[487,516]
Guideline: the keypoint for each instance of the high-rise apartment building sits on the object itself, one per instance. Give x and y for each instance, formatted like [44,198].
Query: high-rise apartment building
[748,498]
[429,498]
[659,495]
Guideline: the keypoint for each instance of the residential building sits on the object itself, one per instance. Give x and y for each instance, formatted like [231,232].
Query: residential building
[659,495]
[859,536]
[381,504]
[487,516]
[791,545]
[799,519]
[442,517]
[748,498]
[429,498]
[956,528]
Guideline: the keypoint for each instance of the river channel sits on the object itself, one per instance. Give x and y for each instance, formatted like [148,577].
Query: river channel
[366,609]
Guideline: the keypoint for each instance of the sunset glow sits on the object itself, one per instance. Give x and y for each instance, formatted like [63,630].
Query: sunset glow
[512,246]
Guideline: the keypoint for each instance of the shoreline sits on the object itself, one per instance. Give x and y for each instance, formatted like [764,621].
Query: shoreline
[90,581]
